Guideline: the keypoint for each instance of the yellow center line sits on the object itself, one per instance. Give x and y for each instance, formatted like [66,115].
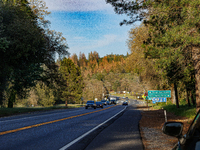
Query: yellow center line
[45,123]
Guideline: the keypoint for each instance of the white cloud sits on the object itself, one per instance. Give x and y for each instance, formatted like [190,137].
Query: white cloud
[108,39]
[78,5]
[106,45]
[93,44]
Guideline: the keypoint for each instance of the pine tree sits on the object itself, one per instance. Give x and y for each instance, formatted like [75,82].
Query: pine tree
[73,85]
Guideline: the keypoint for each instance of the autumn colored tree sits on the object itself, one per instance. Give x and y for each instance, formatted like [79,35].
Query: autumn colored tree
[39,8]
[75,60]
[82,60]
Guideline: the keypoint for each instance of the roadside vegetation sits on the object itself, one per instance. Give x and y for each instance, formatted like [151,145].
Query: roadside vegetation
[21,110]
[184,110]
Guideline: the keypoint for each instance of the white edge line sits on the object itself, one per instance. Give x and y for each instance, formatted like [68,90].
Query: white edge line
[82,136]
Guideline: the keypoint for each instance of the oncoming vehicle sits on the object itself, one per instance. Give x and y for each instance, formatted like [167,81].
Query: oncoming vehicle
[125,103]
[99,104]
[112,101]
[108,102]
[90,104]
[189,141]
[104,102]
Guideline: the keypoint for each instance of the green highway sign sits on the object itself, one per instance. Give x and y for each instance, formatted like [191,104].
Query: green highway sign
[159,93]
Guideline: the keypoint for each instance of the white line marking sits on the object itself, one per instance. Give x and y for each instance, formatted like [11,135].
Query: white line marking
[82,136]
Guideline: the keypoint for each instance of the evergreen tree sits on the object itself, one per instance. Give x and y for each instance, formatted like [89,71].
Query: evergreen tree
[73,85]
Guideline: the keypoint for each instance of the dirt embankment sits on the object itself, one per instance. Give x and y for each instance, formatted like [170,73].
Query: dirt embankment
[151,129]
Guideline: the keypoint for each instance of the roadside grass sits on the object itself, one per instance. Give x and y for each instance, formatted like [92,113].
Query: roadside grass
[183,110]
[21,110]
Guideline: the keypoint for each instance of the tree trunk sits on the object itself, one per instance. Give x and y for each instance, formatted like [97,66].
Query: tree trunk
[187,97]
[196,61]
[2,88]
[173,95]
[66,103]
[11,99]
[176,95]
[1,96]
[192,98]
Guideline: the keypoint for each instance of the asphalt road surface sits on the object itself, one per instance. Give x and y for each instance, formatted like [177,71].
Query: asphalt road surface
[123,134]
[66,129]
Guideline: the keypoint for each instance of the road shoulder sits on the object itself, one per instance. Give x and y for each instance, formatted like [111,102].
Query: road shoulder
[151,125]
[122,134]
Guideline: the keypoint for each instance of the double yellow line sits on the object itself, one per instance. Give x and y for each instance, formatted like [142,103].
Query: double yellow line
[45,123]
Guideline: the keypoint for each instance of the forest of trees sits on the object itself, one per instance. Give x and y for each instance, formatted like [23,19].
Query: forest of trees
[164,55]
[171,40]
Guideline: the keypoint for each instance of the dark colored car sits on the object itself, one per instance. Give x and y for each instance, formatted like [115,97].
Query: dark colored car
[99,104]
[117,98]
[90,104]
[112,101]
[104,102]
[189,141]
[125,103]
[108,102]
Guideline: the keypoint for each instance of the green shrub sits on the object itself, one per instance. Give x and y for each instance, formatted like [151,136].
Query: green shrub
[183,110]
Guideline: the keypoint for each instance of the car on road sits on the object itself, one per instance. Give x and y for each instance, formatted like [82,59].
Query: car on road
[189,141]
[108,102]
[90,104]
[99,104]
[125,103]
[104,102]
[113,101]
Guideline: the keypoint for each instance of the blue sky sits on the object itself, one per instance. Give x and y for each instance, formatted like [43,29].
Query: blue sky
[88,26]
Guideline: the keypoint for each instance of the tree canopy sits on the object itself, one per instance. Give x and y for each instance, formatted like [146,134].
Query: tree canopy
[26,46]
[73,85]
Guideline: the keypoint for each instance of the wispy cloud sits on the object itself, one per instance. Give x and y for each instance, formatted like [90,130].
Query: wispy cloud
[108,39]
[94,44]
[78,5]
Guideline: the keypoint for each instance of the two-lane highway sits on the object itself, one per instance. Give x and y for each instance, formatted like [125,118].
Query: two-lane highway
[54,130]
